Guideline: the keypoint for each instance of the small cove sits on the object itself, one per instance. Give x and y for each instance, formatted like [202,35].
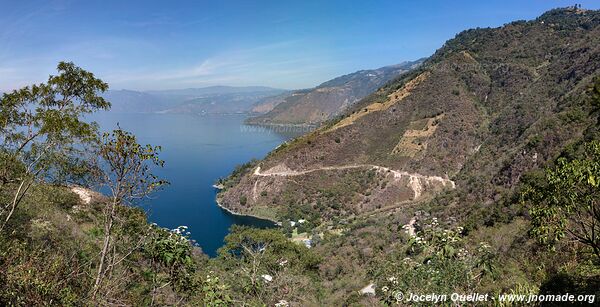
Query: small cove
[197,151]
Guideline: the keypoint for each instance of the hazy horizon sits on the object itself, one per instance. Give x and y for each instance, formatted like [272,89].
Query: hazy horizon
[153,46]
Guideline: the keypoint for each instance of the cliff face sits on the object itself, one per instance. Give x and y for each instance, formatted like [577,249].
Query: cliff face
[488,106]
[313,106]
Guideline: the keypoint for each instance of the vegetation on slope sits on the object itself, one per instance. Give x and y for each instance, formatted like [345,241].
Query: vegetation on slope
[508,102]
[500,230]
[331,98]
[504,101]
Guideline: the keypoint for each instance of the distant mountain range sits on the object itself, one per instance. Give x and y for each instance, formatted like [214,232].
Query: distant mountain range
[268,105]
[313,106]
[206,100]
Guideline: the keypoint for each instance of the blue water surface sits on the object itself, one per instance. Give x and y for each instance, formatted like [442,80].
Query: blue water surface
[197,151]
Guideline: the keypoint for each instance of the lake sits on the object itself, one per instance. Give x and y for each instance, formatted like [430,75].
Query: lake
[197,151]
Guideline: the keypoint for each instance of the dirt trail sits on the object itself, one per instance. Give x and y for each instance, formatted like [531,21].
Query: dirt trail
[286,172]
[414,179]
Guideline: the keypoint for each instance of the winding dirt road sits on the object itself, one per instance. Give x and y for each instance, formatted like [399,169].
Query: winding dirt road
[414,178]
[397,174]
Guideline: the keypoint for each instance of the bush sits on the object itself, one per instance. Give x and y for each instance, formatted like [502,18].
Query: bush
[434,262]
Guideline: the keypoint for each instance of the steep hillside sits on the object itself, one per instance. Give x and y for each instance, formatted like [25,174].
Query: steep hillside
[313,106]
[269,103]
[490,105]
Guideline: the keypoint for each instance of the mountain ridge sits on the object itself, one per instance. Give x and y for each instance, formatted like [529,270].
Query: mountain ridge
[206,100]
[483,96]
[330,98]
[326,100]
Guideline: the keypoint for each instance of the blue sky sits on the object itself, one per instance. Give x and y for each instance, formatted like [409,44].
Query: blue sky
[147,44]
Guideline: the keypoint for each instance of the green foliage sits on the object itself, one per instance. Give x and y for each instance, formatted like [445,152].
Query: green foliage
[275,245]
[435,261]
[515,104]
[125,167]
[237,173]
[567,202]
[250,254]
[582,278]
[171,252]
[41,132]
[215,292]
[432,240]
[42,259]
[28,281]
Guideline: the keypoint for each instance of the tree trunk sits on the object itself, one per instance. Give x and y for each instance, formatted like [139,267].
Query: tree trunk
[105,247]
[14,204]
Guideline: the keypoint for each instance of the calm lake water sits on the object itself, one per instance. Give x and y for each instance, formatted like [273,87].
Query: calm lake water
[197,150]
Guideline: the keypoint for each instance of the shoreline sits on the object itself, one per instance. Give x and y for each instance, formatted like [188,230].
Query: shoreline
[240,214]
[304,125]
[294,128]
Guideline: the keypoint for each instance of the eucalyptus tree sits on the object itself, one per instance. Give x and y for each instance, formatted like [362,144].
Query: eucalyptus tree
[43,133]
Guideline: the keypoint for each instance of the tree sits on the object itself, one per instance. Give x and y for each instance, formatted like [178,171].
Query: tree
[567,200]
[436,260]
[41,131]
[124,169]
[266,265]
[171,251]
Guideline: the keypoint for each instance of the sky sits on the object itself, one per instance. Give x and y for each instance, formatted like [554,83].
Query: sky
[150,45]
